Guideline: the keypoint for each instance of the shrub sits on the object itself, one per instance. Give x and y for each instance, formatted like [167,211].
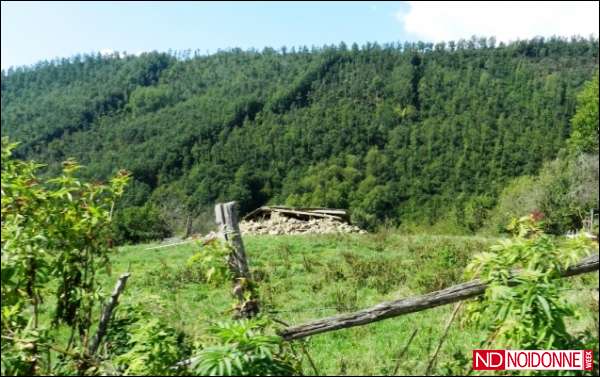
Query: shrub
[211,260]
[53,230]
[139,224]
[532,314]
[118,334]
[476,212]
[564,192]
[154,348]
[519,198]
[570,191]
[244,348]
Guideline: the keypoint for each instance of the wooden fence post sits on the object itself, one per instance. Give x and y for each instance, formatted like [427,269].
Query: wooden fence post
[107,313]
[226,217]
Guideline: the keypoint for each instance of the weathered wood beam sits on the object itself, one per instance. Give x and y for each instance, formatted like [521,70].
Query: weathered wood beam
[307,214]
[336,214]
[227,220]
[412,304]
[107,313]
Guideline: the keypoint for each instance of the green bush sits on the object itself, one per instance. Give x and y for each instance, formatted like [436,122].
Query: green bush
[139,224]
[54,243]
[520,197]
[532,314]
[211,263]
[476,212]
[244,348]
[563,193]
[154,348]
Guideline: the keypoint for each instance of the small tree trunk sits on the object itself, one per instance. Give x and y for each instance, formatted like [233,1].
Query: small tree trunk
[188,226]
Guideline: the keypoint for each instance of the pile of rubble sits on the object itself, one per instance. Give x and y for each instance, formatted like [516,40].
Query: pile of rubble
[279,224]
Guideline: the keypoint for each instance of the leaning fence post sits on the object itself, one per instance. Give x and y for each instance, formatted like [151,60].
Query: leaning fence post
[227,220]
[107,313]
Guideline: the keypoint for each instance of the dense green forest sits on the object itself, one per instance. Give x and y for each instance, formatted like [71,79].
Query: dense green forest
[403,133]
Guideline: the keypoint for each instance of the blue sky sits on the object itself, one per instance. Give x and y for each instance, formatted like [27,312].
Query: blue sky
[33,31]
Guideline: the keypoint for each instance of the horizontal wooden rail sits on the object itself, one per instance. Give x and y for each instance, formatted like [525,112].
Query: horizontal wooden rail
[411,304]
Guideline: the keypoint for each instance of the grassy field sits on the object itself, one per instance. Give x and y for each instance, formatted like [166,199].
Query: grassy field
[308,277]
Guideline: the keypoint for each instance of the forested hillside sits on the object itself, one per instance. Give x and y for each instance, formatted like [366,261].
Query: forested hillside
[410,132]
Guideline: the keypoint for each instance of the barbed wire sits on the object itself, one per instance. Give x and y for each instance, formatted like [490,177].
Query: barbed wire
[299,310]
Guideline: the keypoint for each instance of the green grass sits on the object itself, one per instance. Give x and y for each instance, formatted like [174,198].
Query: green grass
[307,277]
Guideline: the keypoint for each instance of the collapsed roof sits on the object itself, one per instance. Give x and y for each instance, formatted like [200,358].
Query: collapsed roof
[301,213]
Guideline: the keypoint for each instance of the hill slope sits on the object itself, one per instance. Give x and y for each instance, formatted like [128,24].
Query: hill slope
[403,132]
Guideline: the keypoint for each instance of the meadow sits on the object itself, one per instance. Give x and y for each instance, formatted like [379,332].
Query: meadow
[308,277]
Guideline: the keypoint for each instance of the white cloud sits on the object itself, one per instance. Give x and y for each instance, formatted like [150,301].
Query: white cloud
[440,20]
